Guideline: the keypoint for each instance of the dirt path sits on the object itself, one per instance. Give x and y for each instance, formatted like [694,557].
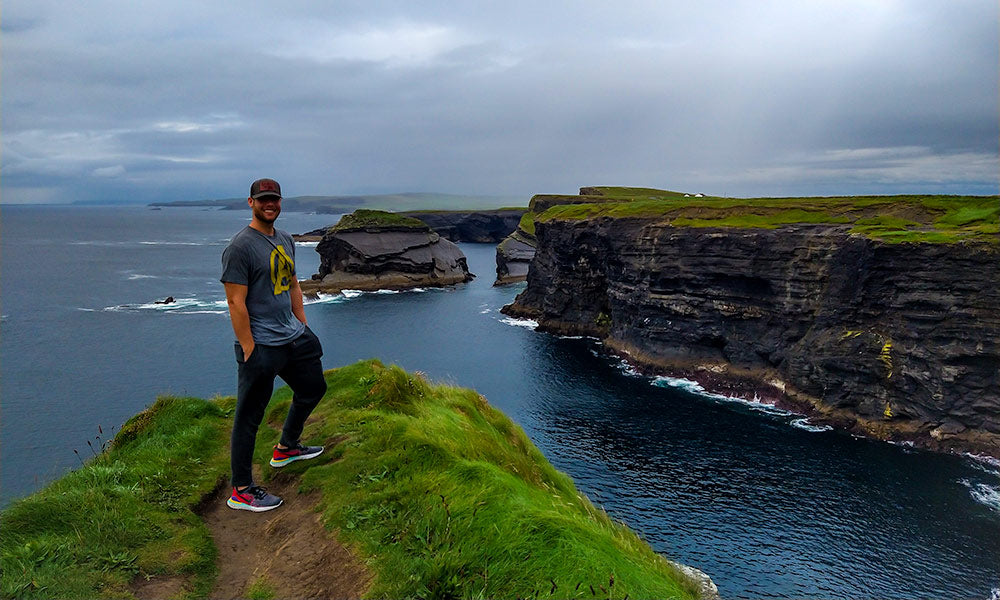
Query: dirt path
[287,549]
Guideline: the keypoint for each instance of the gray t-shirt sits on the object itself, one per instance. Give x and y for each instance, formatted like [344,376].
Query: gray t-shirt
[266,265]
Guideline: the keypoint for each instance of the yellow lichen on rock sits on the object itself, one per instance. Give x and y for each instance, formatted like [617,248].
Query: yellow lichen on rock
[886,357]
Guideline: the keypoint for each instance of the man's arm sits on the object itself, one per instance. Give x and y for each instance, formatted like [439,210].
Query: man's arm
[298,308]
[236,298]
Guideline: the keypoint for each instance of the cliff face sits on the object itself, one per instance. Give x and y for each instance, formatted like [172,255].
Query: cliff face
[515,252]
[483,226]
[898,341]
[386,257]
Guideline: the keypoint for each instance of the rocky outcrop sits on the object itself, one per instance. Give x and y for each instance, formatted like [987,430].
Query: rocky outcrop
[515,252]
[386,257]
[480,227]
[897,341]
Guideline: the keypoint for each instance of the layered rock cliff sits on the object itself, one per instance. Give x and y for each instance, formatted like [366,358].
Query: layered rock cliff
[515,251]
[370,250]
[898,341]
[481,226]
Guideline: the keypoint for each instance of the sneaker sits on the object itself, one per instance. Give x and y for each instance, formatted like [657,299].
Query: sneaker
[281,458]
[253,498]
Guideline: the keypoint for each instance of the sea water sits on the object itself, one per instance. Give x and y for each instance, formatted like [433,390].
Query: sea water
[766,503]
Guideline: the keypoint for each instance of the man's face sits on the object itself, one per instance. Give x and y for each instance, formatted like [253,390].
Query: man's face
[266,208]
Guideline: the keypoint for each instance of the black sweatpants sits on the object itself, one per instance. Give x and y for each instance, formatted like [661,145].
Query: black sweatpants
[298,364]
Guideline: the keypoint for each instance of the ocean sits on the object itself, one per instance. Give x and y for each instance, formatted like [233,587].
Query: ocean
[767,504]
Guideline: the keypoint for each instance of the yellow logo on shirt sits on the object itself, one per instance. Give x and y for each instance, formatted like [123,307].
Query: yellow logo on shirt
[282,267]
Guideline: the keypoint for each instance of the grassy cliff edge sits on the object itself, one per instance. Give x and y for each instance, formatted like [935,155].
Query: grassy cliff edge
[894,219]
[441,495]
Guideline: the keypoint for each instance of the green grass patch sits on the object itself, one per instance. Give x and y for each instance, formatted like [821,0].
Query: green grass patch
[261,589]
[527,223]
[439,493]
[910,218]
[364,218]
[448,498]
[126,513]
[773,221]
[636,192]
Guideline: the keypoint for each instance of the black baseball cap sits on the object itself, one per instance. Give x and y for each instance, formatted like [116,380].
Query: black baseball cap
[264,187]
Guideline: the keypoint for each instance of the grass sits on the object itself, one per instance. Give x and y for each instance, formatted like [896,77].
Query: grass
[912,218]
[128,512]
[442,495]
[527,223]
[364,218]
[463,211]
[450,499]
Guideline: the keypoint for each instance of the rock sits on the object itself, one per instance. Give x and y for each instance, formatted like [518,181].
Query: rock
[312,236]
[894,339]
[386,256]
[514,255]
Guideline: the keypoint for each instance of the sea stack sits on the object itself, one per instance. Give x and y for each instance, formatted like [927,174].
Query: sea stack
[376,250]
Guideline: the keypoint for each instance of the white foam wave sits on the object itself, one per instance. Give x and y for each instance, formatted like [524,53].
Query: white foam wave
[179,305]
[135,276]
[675,382]
[395,291]
[351,293]
[161,243]
[125,243]
[985,494]
[994,594]
[628,369]
[908,446]
[519,322]
[985,463]
[486,311]
[322,298]
[694,387]
[306,244]
[804,423]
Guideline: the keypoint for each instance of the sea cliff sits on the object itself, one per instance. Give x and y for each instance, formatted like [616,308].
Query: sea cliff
[478,226]
[899,341]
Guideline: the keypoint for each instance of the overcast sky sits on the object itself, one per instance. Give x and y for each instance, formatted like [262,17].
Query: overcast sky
[145,101]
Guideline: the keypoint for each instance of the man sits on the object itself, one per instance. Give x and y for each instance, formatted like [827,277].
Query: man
[265,307]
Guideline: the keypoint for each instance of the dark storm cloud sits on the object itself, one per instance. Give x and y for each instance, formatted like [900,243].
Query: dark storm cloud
[121,101]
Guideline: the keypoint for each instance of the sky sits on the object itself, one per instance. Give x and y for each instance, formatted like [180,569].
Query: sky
[105,101]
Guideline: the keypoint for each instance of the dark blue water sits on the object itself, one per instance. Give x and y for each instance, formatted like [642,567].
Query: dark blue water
[766,508]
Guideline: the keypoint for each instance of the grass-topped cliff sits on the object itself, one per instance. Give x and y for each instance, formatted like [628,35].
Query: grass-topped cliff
[366,219]
[909,218]
[436,492]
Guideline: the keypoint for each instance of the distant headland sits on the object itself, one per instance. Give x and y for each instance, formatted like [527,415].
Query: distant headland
[349,203]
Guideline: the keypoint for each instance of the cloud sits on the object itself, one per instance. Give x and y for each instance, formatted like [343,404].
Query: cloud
[115,171]
[752,97]
[402,44]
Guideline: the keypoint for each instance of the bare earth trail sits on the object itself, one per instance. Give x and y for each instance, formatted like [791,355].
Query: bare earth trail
[287,548]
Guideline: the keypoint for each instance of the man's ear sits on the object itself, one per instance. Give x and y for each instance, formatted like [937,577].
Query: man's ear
[250,202]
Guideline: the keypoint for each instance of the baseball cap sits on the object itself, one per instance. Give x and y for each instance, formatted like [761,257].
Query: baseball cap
[264,187]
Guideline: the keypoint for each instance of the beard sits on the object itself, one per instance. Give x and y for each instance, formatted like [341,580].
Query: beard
[260,215]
